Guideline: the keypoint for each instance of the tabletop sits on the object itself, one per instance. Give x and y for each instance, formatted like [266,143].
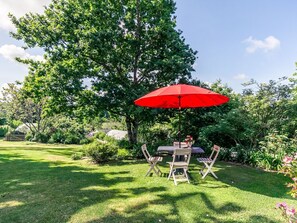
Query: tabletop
[170,149]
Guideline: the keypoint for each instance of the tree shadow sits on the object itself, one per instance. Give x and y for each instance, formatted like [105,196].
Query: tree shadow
[251,179]
[45,191]
[54,191]
[138,214]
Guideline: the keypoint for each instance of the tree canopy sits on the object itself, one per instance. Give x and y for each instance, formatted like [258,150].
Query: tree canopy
[122,49]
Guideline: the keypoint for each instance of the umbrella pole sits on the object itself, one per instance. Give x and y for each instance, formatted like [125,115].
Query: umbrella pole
[179,133]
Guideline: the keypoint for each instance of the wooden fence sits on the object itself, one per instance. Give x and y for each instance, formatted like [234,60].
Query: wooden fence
[15,137]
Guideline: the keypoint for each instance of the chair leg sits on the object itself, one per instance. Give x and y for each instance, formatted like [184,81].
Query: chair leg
[186,174]
[150,169]
[153,167]
[158,169]
[170,172]
[174,179]
[215,176]
[208,171]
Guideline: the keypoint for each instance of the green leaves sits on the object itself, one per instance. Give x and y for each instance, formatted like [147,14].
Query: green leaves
[126,48]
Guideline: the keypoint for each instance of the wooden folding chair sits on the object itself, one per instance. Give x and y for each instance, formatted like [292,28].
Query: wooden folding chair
[152,161]
[208,162]
[180,164]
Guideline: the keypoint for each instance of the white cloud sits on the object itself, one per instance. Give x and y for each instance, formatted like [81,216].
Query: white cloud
[240,77]
[269,43]
[10,52]
[18,8]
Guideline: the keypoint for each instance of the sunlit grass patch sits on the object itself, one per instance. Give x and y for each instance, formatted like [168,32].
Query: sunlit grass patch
[7,204]
[43,184]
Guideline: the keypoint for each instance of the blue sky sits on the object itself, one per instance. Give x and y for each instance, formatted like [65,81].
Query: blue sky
[236,40]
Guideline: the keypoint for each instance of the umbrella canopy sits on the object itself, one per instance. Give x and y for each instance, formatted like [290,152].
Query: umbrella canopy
[181,96]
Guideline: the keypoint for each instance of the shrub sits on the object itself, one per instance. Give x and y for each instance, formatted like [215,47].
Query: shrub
[66,130]
[29,136]
[57,137]
[100,135]
[3,130]
[158,133]
[77,155]
[71,139]
[2,121]
[84,141]
[15,123]
[273,149]
[101,152]
[123,154]
[40,137]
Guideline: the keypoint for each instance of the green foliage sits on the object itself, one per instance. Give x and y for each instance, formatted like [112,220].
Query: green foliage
[137,152]
[57,137]
[39,137]
[14,123]
[77,155]
[84,141]
[3,121]
[159,132]
[4,129]
[274,147]
[20,108]
[123,154]
[66,130]
[100,151]
[126,48]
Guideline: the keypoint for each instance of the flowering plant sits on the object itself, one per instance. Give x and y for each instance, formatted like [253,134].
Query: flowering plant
[189,140]
[289,213]
[290,169]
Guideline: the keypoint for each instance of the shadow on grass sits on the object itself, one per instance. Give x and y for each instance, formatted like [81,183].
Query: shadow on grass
[45,191]
[251,179]
[137,214]
[39,191]
[214,214]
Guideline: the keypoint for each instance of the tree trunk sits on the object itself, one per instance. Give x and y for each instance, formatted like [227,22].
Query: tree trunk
[132,128]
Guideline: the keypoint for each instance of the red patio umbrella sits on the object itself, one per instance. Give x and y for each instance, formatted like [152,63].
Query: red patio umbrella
[181,96]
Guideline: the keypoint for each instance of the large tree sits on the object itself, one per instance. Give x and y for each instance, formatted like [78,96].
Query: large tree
[122,48]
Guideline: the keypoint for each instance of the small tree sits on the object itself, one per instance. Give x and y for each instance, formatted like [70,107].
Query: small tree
[19,107]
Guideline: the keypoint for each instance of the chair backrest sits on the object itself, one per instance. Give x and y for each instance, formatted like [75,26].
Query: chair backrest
[182,144]
[215,152]
[145,152]
[186,153]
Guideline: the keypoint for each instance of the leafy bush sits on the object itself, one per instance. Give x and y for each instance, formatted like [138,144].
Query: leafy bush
[84,141]
[2,121]
[77,155]
[4,129]
[102,136]
[101,152]
[71,139]
[156,133]
[14,123]
[273,149]
[123,154]
[57,137]
[29,136]
[40,137]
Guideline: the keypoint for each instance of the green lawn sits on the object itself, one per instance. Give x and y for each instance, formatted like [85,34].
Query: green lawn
[40,183]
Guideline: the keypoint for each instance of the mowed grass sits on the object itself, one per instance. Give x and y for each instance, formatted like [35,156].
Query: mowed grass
[40,183]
